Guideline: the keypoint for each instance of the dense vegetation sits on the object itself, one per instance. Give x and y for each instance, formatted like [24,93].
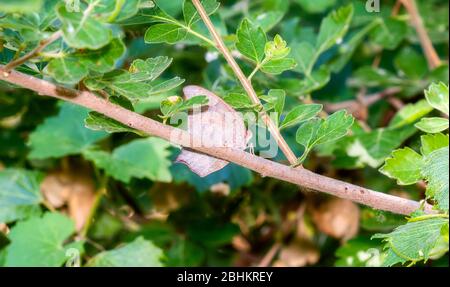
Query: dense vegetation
[351,90]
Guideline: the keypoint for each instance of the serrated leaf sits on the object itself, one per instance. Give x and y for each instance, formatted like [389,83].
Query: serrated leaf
[431,143]
[405,166]
[165,33]
[437,96]
[139,253]
[334,127]
[413,242]
[144,158]
[81,30]
[191,16]
[20,194]
[47,248]
[72,68]
[62,135]
[433,125]
[300,114]
[321,131]
[436,173]
[251,41]
[334,27]
[150,69]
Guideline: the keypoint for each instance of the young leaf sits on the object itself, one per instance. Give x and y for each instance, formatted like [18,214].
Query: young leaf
[20,194]
[62,135]
[431,143]
[301,114]
[47,249]
[433,125]
[278,66]
[437,96]
[81,30]
[410,114]
[139,253]
[251,41]
[144,158]
[405,165]
[334,127]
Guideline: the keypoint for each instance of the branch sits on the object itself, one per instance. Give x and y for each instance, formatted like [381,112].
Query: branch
[220,45]
[300,177]
[432,57]
[42,45]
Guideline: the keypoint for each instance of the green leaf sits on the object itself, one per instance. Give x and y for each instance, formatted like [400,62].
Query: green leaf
[317,80]
[62,135]
[405,166]
[411,63]
[144,158]
[47,248]
[431,143]
[137,84]
[319,131]
[374,147]
[251,41]
[334,127]
[278,66]
[191,15]
[22,6]
[301,114]
[437,96]
[238,101]
[20,194]
[410,114]
[414,241]
[359,252]
[304,55]
[117,10]
[333,28]
[390,33]
[72,68]
[139,253]
[165,33]
[436,173]
[316,6]
[81,30]
[67,70]
[433,125]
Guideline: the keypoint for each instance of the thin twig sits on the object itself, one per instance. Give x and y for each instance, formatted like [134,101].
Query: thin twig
[35,52]
[220,45]
[300,177]
[432,56]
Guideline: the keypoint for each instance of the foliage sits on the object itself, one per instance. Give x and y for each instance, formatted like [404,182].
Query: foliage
[351,92]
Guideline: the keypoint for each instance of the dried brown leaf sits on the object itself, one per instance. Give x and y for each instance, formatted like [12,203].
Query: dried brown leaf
[219,125]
